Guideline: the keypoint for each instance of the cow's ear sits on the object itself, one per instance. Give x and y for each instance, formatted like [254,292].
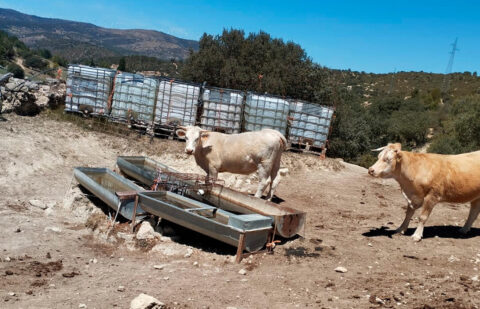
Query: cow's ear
[397,146]
[181,133]
[205,138]
[398,155]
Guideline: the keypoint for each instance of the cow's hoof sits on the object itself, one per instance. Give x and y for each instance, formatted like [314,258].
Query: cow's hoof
[400,231]
[464,231]
[416,238]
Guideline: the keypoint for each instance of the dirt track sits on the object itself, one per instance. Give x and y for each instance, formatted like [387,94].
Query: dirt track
[56,261]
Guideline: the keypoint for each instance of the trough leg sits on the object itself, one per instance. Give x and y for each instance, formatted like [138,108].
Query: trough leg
[134,215]
[240,248]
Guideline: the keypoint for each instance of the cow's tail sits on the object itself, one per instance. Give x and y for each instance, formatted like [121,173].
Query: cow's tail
[283,142]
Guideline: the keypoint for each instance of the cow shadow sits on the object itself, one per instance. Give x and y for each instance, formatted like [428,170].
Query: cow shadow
[442,231]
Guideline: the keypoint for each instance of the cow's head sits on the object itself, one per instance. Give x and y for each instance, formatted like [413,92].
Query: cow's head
[194,137]
[388,158]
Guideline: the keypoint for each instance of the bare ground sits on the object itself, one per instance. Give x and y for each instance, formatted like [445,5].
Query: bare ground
[61,257]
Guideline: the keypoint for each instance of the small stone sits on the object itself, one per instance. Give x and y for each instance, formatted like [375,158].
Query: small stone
[370,244]
[159,267]
[52,229]
[145,231]
[82,306]
[242,272]
[195,263]
[38,204]
[9,272]
[52,285]
[474,278]
[189,253]
[94,261]
[341,269]
[244,280]
[121,259]
[11,294]
[166,278]
[7,259]
[18,230]
[49,256]
[144,301]
[121,288]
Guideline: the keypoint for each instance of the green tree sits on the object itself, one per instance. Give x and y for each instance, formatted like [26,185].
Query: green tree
[122,64]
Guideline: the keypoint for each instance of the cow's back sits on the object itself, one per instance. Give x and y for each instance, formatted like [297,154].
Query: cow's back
[242,153]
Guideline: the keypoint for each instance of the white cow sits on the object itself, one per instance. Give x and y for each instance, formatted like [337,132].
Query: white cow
[242,153]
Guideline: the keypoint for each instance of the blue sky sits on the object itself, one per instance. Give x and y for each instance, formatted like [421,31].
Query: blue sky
[371,36]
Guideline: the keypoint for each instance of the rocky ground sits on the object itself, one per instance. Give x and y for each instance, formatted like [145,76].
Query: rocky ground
[58,249]
[29,98]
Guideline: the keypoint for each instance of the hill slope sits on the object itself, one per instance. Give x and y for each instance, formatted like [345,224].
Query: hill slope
[77,40]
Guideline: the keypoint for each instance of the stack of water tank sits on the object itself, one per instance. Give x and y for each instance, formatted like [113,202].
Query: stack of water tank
[177,103]
[264,111]
[222,110]
[134,97]
[88,89]
[310,123]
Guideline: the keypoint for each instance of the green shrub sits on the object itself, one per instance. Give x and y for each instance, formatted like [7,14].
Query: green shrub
[16,70]
[35,62]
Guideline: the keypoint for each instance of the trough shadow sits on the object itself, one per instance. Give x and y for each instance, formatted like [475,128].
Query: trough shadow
[447,231]
[184,236]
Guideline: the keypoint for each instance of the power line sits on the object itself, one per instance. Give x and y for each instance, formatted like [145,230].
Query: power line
[446,79]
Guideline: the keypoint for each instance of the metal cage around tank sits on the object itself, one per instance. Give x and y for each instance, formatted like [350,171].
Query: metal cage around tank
[222,110]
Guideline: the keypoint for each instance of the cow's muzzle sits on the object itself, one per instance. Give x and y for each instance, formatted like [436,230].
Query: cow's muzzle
[189,151]
[371,171]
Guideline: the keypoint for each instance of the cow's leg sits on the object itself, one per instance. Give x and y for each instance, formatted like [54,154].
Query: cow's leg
[408,215]
[406,221]
[263,180]
[274,179]
[212,174]
[472,215]
[427,207]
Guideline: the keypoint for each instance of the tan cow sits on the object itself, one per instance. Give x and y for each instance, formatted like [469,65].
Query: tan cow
[242,153]
[427,179]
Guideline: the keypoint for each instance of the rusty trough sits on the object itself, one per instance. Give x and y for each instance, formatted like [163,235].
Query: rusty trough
[288,221]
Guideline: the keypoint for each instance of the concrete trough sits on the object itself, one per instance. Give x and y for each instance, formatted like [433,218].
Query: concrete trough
[287,220]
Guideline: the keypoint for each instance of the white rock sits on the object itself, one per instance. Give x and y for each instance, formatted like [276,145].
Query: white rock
[145,231]
[11,294]
[189,253]
[341,269]
[474,278]
[38,204]
[7,259]
[121,288]
[453,258]
[379,300]
[94,261]
[159,267]
[82,306]
[52,229]
[144,301]
[195,263]
[242,272]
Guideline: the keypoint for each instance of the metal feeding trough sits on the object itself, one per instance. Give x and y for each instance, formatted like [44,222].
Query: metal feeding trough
[252,230]
[288,221]
[116,191]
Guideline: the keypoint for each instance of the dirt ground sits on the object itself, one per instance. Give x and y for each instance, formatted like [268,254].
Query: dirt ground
[61,257]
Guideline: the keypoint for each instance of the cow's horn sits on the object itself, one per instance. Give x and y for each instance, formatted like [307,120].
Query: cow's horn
[379,149]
